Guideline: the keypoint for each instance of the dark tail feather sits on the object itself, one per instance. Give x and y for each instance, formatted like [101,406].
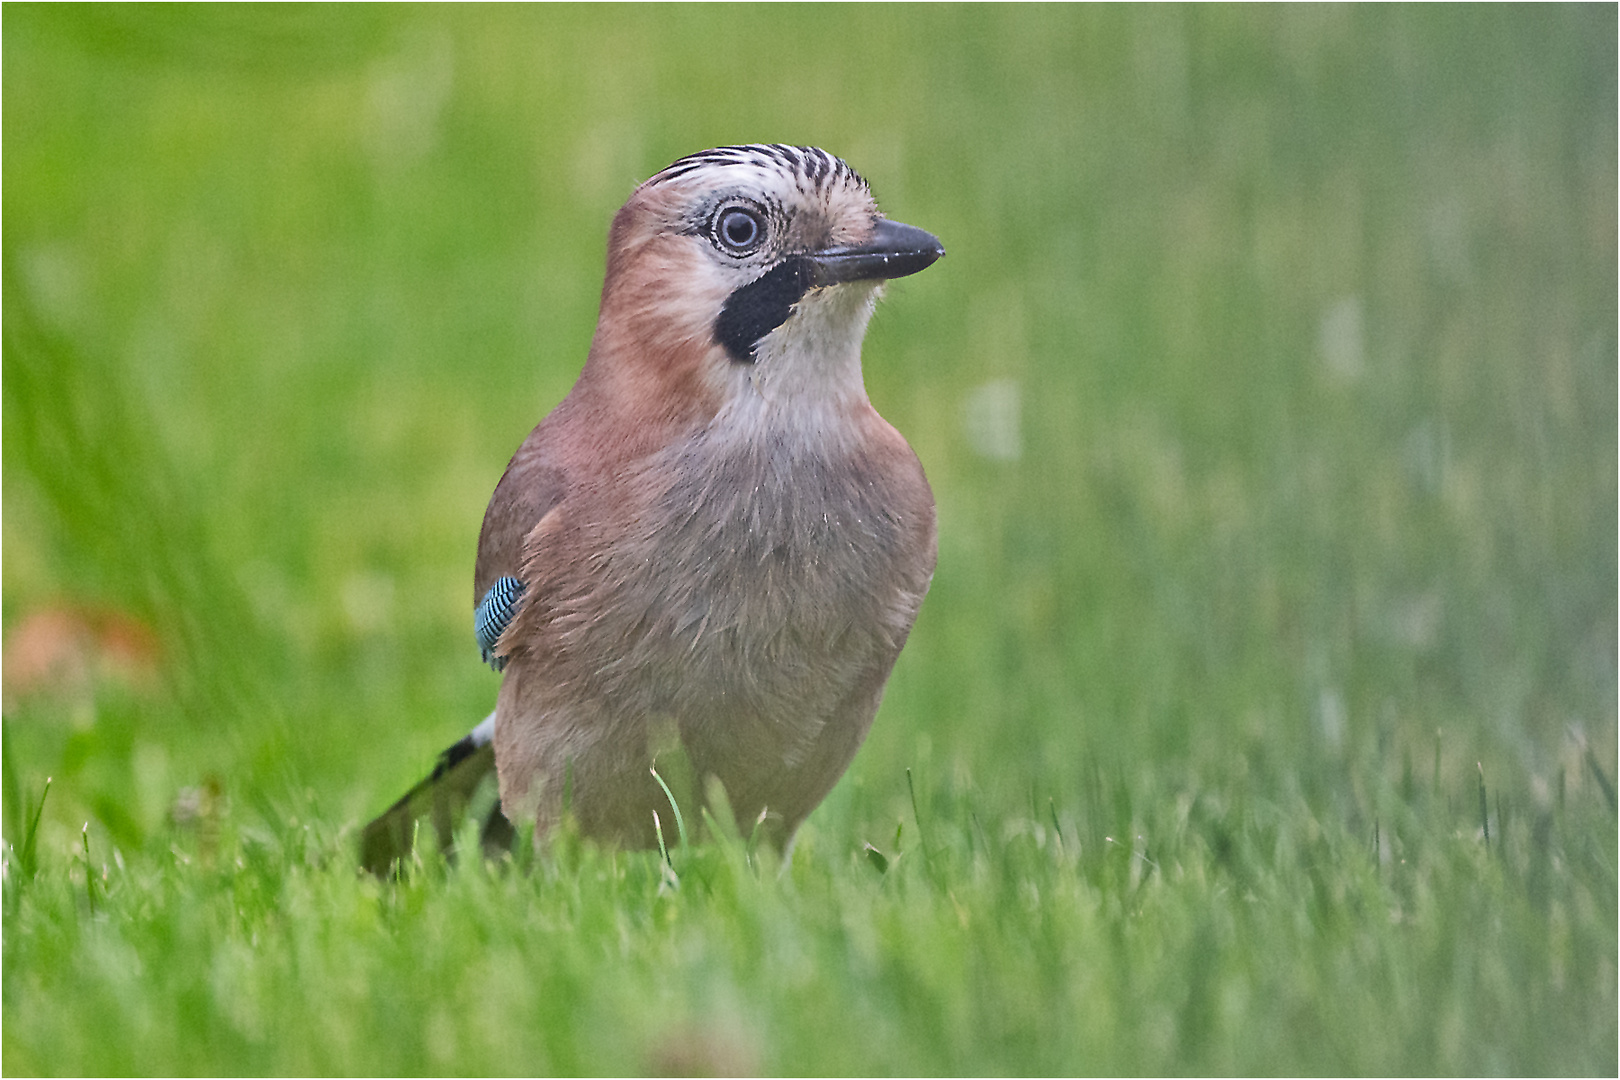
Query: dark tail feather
[462,782]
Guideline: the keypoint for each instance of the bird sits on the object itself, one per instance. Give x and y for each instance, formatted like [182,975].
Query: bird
[705,560]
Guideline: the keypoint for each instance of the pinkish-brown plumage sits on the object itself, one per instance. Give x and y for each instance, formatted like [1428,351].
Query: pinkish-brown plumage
[722,545]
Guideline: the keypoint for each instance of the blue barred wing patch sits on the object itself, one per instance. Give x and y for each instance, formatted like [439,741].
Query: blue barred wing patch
[494,615]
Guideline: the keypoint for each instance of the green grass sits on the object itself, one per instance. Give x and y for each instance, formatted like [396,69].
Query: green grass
[1301,581]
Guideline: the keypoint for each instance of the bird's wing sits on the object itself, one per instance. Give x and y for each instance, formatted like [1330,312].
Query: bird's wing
[462,784]
[531,486]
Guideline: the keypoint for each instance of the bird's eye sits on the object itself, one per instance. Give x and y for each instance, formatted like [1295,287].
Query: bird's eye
[739,230]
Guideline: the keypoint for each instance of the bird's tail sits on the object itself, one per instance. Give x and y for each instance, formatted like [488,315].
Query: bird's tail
[462,783]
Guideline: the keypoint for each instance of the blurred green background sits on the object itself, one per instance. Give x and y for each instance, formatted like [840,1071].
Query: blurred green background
[1268,391]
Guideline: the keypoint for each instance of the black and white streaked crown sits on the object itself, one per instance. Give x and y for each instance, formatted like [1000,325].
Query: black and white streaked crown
[807,163]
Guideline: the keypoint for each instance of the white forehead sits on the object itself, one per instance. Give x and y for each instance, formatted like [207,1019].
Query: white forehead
[766,165]
[794,178]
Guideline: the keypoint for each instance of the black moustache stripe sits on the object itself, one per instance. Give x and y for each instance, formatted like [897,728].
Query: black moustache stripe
[761,306]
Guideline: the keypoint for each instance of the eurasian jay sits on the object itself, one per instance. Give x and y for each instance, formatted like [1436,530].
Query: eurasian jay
[713,549]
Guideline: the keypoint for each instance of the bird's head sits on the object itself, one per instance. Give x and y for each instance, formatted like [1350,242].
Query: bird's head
[748,271]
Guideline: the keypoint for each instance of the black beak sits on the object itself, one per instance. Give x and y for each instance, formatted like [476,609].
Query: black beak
[894,250]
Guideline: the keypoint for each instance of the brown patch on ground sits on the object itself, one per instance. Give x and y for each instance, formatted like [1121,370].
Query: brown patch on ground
[65,650]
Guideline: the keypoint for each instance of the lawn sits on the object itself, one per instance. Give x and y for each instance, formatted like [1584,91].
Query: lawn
[1261,717]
